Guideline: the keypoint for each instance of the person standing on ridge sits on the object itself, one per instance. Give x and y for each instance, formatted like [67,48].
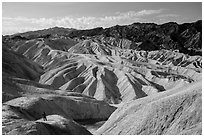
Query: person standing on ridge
[44,116]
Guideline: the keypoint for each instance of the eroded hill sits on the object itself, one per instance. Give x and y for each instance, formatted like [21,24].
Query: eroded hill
[147,73]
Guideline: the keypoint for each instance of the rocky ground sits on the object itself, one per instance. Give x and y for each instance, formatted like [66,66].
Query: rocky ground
[141,78]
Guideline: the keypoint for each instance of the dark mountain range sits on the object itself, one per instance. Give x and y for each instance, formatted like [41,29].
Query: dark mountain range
[172,36]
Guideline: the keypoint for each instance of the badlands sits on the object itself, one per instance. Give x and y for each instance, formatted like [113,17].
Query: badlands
[134,79]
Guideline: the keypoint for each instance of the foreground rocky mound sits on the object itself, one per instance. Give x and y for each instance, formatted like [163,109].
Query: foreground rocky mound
[56,125]
[27,111]
[175,111]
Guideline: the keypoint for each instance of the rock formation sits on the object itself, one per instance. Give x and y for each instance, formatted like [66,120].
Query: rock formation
[142,78]
[67,109]
[174,111]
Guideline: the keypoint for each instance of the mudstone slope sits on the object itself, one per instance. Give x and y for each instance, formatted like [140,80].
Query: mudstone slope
[147,73]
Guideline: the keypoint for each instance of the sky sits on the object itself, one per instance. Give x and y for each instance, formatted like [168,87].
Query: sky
[20,16]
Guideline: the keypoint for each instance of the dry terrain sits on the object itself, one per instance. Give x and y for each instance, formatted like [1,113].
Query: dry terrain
[134,79]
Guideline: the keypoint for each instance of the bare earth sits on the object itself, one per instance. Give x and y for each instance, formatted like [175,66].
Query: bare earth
[96,84]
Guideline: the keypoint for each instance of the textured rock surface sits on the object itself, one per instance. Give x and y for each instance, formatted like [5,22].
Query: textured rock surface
[152,73]
[72,107]
[17,65]
[171,112]
[184,37]
[96,68]
[55,125]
